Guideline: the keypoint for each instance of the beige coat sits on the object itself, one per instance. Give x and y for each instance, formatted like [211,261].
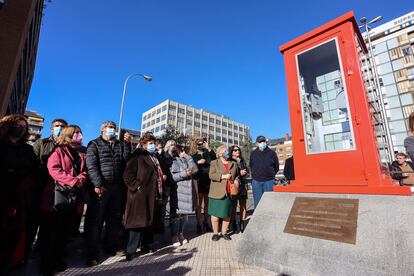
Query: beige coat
[218,185]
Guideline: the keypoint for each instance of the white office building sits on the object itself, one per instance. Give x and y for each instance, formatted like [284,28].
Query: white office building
[197,122]
[393,49]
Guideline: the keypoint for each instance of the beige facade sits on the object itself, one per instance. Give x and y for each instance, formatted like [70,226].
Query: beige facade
[197,122]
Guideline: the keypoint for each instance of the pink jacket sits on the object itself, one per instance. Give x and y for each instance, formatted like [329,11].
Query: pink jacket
[60,168]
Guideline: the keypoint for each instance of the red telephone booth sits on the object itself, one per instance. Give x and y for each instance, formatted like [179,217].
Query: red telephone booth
[333,137]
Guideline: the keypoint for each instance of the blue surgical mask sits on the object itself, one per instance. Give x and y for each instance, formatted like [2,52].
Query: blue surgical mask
[110,132]
[57,130]
[262,145]
[226,155]
[151,148]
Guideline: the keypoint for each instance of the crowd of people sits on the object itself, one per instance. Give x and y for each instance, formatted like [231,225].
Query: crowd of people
[50,183]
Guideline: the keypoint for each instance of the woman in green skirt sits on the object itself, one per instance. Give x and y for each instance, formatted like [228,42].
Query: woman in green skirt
[222,174]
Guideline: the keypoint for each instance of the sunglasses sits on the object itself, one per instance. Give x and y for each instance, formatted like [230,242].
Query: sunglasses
[236,150]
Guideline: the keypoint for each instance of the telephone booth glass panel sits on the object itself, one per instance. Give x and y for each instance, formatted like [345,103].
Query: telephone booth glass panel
[323,95]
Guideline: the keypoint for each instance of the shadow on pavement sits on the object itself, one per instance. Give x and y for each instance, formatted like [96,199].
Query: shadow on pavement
[155,266]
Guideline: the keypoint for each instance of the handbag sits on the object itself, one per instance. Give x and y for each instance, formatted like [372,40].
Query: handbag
[234,188]
[64,195]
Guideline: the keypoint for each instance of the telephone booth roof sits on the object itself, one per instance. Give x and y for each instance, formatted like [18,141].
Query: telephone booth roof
[349,16]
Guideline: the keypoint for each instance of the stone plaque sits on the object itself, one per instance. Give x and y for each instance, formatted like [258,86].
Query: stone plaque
[324,218]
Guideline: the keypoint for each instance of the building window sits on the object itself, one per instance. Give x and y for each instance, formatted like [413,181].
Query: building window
[158,119]
[230,133]
[203,134]
[224,140]
[236,142]
[171,118]
[153,113]
[218,129]
[224,124]
[164,108]
[163,117]
[157,129]
[152,122]
[211,128]
[407,51]
[189,113]
[240,129]
[189,123]
[230,125]
[196,124]
[224,131]
[158,110]
[211,137]
[211,120]
[162,127]
[173,107]
[231,141]
[144,125]
[205,118]
[218,122]
[204,126]
[180,120]
[181,110]
[144,118]
[218,138]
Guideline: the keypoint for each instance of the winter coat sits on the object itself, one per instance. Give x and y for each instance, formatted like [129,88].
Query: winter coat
[106,161]
[397,173]
[409,146]
[218,187]
[185,201]
[63,173]
[19,171]
[43,148]
[140,177]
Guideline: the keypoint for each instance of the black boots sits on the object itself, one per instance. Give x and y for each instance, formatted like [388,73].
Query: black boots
[234,227]
[242,225]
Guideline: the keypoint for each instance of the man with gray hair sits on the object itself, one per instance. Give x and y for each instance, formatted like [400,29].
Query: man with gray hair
[105,159]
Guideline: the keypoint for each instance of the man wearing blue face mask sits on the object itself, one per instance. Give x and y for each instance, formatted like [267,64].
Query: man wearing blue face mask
[43,149]
[105,159]
[264,165]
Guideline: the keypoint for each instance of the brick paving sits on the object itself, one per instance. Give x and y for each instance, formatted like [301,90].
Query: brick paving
[200,256]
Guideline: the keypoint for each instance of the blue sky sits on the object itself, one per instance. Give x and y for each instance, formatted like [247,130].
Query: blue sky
[219,55]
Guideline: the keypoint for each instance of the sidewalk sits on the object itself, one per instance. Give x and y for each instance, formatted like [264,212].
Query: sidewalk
[200,256]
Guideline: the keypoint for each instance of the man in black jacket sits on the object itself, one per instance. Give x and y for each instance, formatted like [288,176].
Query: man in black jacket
[264,165]
[105,159]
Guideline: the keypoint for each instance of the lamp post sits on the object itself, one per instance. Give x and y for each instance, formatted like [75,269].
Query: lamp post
[145,77]
[379,95]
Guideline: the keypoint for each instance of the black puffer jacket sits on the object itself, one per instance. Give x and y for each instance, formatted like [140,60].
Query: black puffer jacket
[106,162]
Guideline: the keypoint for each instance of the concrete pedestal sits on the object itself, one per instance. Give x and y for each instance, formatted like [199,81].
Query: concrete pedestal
[384,242]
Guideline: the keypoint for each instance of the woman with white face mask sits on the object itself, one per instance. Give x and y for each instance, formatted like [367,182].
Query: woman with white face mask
[182,198]
[143,177]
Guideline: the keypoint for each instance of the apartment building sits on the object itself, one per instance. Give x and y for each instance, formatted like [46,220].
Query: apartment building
[198,122]
[393,50]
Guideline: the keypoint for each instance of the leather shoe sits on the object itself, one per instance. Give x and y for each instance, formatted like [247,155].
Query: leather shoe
[227,237]
[215,237]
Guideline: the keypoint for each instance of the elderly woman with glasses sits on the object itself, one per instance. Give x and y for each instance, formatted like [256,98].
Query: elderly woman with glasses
[223,173]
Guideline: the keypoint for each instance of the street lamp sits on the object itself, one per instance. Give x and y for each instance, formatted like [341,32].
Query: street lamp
[364,23]
[145,77]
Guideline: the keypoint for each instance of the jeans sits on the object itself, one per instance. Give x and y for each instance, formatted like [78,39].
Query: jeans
[259,187]
[177,224]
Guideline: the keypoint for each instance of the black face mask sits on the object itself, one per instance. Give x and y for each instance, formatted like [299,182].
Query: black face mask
[17,132]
